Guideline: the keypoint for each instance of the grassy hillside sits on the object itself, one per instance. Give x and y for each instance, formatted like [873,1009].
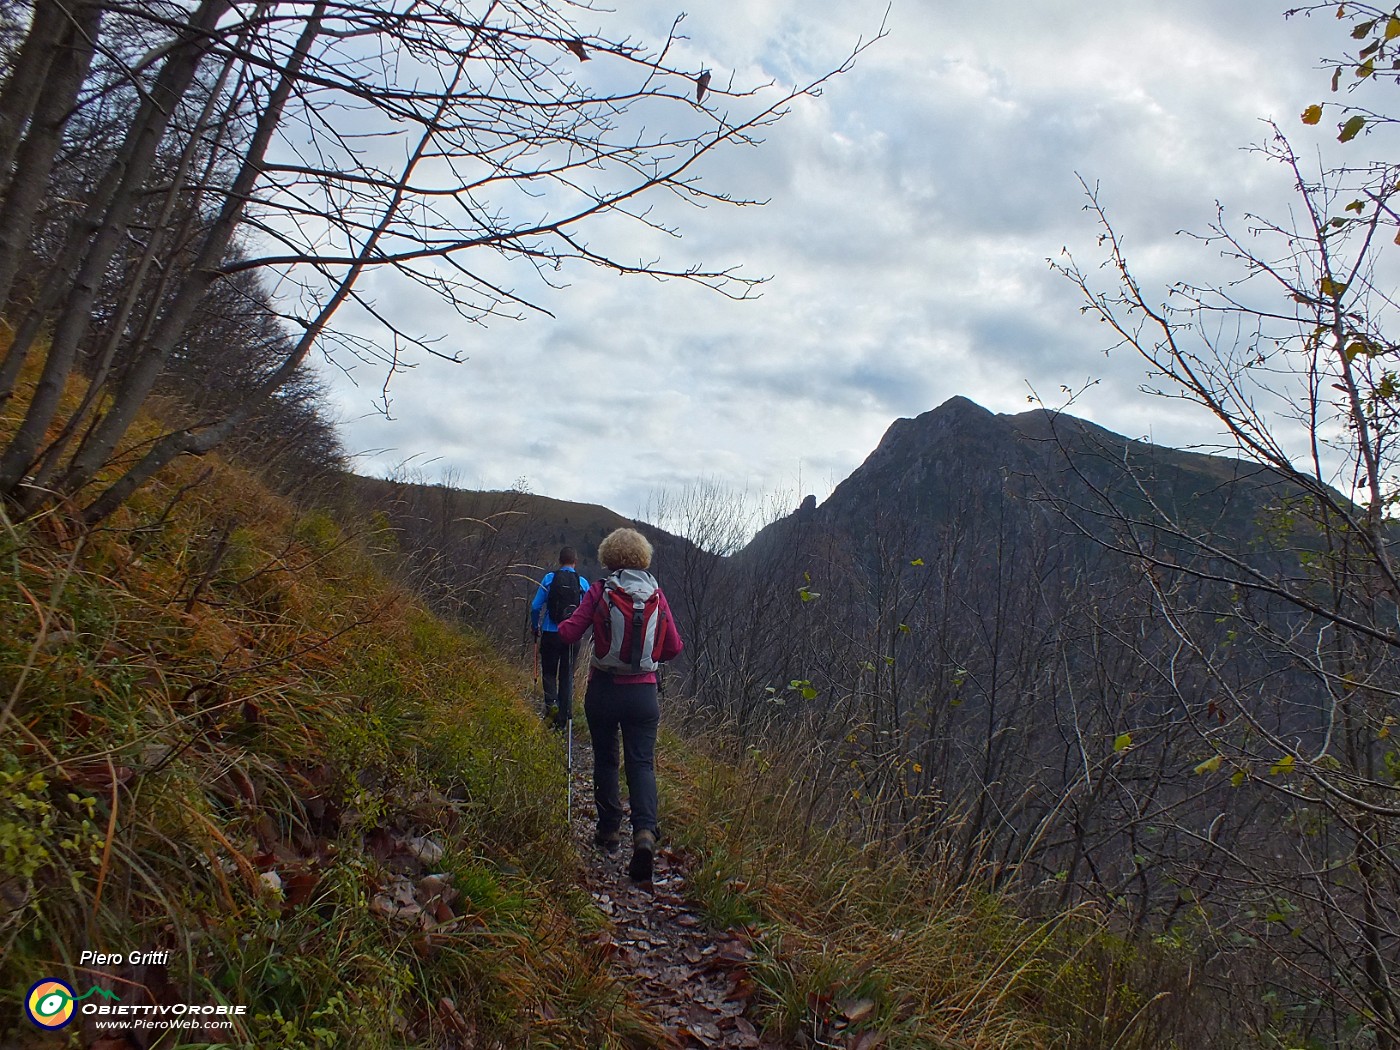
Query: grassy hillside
[854,941]
[226,736]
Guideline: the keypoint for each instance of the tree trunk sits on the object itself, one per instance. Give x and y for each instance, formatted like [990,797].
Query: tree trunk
[63,72]
[132,166]
[165,235]
[140,378]
[27,81]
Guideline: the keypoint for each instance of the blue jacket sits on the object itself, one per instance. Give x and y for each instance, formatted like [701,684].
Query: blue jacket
[539,614]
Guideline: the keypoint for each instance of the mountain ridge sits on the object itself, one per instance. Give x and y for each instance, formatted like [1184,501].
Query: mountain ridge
[961,452]
[922,466]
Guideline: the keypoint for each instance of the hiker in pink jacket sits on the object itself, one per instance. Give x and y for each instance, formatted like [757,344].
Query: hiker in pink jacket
[633,634]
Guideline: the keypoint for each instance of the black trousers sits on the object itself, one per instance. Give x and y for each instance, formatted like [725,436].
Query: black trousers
[557,672]
[634,712]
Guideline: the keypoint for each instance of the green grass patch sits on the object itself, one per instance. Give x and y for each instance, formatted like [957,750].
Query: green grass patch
[227,736]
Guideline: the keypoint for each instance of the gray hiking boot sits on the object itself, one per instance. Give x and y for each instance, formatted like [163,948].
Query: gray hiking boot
[643,852]
[608,840]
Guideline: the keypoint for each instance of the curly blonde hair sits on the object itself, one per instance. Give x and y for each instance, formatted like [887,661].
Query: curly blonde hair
[625,549]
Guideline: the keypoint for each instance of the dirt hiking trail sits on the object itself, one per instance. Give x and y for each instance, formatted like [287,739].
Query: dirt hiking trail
[692,980]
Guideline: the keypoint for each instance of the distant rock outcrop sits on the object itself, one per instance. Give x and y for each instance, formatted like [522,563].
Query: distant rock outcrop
[1030,472]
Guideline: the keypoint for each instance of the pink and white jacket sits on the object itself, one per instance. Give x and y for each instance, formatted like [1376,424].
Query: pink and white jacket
[590,613]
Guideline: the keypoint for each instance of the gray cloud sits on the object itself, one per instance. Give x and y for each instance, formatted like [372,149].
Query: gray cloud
[913,208]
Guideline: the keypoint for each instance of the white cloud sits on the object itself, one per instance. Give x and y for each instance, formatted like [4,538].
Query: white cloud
[913,208]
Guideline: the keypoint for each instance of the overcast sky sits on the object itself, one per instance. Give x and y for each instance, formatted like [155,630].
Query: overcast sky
[912,211]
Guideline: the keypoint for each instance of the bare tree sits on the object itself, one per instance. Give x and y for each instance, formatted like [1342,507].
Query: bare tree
[452,144]
[1292,359]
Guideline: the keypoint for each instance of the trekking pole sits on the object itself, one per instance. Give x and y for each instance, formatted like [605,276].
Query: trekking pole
[566,676]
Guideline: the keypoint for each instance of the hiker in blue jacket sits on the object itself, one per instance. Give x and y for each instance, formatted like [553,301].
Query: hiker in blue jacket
[558,596]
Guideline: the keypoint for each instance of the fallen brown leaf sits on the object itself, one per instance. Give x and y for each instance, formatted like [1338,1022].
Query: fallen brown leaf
[298,885]
[734,951]
[855,1010]
[97,776]
[452,1017]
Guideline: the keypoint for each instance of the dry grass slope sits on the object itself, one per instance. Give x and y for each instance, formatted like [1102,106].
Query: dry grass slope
[227,736]
[858,947]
